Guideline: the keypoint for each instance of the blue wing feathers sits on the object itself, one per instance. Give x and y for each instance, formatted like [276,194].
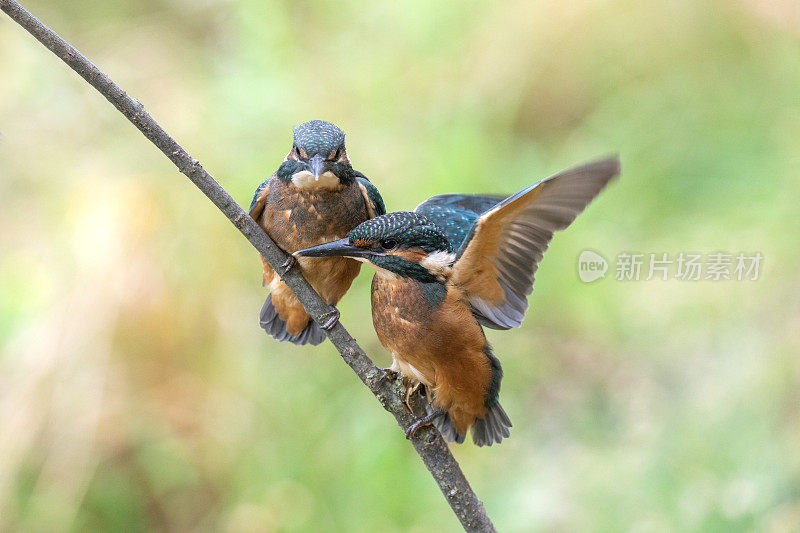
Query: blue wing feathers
[372,193]
[472,202]
[255,195]
[456,213]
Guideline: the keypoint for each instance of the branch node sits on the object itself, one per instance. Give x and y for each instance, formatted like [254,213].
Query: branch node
[239,221]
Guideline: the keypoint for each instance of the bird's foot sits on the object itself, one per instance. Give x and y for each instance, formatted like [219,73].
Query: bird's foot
[329,319]
[426,421]
[409,392]
[288,264]
[388,373]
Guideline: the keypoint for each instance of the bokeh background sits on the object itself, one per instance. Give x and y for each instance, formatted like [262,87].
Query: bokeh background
[138,393]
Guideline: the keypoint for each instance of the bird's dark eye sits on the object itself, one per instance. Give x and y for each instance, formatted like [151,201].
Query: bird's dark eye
[388,244]
[297,151]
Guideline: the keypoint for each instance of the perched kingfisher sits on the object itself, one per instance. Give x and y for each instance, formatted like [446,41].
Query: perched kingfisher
[459,262]
[314,197]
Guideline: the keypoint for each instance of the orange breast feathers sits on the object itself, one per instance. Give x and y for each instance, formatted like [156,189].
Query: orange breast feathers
[295,219]
[298,218]
[443,343]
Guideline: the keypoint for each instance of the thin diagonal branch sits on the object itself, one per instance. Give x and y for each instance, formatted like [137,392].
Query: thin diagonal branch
[428,443]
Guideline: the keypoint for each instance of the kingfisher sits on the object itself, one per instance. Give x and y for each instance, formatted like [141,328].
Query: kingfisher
[315,196]
[453,265]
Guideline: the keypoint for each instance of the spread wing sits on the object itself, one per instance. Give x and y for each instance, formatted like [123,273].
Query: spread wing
[498,259]
[259,199]
[456,213]
[372,197]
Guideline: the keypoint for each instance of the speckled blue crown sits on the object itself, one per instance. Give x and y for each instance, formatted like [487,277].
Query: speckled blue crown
[408,229]
[318,137]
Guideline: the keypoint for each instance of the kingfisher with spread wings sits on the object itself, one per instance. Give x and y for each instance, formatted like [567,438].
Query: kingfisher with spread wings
[314,197]
[459,262]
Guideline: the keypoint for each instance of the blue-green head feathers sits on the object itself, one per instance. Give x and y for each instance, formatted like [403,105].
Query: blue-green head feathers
[404,230]
[392,242]
[319,137]
[318,147]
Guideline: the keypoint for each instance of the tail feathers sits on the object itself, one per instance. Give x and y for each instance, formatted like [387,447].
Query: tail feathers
[274,326]
[492,428]
[446,427]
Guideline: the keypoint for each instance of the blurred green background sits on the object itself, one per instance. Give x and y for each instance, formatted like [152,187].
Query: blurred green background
[137,391]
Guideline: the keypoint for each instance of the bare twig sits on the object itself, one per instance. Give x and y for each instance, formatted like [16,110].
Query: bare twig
[428,443]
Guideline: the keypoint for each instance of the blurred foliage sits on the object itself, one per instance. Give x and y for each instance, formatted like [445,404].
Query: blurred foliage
[138,393]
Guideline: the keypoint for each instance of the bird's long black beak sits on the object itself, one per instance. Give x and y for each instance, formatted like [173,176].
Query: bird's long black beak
[342,247]
[317,166]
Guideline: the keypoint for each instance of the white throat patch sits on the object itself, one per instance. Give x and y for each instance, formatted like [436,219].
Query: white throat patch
[439,264]
[305,180]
